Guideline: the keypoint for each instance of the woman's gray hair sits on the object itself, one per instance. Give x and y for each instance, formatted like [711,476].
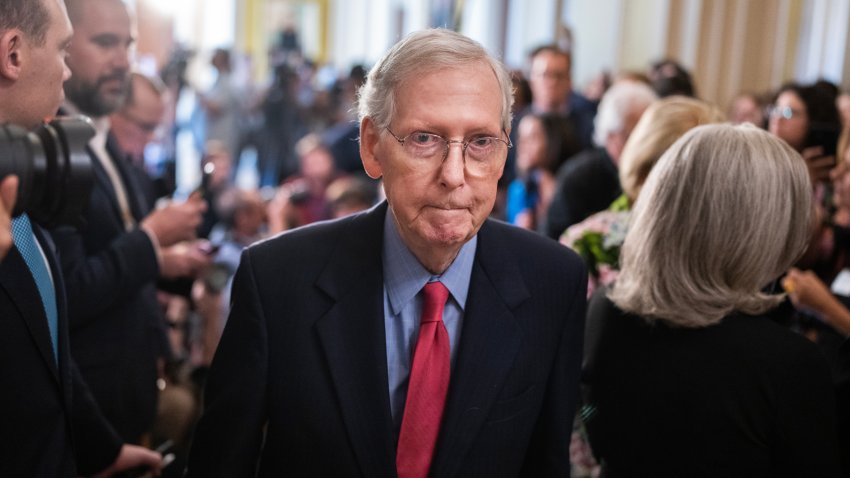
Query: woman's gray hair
[623,98]
[420,53]
[724,212]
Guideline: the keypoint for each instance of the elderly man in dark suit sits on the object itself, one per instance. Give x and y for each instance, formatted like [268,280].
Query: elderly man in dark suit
[416,339]
[49,425]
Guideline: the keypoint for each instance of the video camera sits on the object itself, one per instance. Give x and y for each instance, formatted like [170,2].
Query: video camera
[53,168]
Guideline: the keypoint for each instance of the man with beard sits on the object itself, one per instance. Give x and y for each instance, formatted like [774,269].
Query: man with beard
[50,425]
[112,262]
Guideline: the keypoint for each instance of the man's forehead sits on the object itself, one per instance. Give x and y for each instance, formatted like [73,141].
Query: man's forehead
[550,60]
[413,104]
[92,15]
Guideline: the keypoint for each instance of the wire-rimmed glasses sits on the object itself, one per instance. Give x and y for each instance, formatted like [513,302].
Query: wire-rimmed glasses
[483,155]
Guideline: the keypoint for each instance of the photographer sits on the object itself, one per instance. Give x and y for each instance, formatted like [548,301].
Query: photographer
[50,426]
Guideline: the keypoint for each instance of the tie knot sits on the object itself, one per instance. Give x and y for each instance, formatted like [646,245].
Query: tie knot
[436,296]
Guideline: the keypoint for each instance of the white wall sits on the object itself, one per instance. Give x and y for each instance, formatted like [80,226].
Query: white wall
[530,23]
[597,28]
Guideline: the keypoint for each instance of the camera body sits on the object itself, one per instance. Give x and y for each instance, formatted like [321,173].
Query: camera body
[53,168]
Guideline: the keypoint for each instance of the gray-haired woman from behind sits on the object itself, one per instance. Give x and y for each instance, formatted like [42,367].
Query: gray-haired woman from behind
[684,375]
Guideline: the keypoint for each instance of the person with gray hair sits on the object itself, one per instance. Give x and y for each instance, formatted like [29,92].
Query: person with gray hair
[684,374]
[589,183]
[418,338]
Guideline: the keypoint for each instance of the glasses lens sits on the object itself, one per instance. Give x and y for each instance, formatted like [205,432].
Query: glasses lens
[784,112]
[481,155]
[424,145]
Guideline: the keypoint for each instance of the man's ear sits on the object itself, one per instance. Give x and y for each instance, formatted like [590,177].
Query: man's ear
[11,53]
[369,138]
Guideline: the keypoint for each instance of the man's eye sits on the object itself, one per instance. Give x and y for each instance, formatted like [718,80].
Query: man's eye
[483,142]
[424,139]
[105,41]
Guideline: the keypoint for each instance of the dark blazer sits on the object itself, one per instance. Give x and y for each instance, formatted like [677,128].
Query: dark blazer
[47,411]
[116,327]
[304,352]
[742,398]
[585,184]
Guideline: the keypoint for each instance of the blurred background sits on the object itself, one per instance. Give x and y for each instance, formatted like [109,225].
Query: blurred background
[729,46]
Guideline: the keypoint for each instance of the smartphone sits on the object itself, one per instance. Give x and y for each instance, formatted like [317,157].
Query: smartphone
[206,178]
[825,136]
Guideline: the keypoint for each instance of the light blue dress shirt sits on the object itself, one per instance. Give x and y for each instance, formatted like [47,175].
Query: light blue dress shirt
[404,278]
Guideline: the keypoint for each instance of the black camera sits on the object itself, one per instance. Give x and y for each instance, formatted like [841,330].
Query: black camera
[53,168]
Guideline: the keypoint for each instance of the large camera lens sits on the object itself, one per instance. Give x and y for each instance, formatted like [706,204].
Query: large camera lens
[53,168]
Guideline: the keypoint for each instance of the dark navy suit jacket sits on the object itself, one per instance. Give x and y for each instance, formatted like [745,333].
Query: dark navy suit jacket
[117,331]
[49,420]
[303,360]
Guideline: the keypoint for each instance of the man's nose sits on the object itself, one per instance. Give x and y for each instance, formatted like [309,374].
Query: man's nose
[452,169]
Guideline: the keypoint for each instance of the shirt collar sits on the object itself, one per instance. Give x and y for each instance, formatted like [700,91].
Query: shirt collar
[404,276]
[101,124]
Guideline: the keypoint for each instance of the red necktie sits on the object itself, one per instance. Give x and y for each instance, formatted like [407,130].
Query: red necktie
[427,388]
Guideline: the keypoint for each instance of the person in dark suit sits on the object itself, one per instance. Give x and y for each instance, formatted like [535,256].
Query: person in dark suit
[113,260]
[551,84]
[326,366]
[50,425]
[589,182]
[685,373]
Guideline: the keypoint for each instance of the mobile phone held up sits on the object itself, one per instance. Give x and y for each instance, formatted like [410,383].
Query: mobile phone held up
[824,135]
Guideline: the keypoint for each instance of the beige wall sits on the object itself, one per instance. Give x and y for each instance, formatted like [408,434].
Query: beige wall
[729,45]
[155,32]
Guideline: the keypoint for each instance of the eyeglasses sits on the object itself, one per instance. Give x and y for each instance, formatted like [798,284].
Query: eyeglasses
[482,155]
[147,127]
[784,112]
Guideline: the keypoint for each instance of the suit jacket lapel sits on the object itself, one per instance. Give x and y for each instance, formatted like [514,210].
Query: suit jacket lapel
[24,293]
[353,337]
[489,342]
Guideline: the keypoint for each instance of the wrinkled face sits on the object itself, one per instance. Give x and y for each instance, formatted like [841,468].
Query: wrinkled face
[100,56]
[445,206]
[135,125]
[789,120]
[550,81]
[42,79]
[531,143]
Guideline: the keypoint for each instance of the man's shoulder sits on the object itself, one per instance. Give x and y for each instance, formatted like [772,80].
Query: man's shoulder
[319,239]
[531,249]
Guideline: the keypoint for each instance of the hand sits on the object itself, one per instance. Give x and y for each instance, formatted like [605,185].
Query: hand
[818,164]
[132,456]
[185,259]
[176,221]
[8,193]
[281,213]
[808,292]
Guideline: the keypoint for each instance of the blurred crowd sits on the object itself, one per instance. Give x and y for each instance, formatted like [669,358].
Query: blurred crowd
[578,161]
[577,166]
